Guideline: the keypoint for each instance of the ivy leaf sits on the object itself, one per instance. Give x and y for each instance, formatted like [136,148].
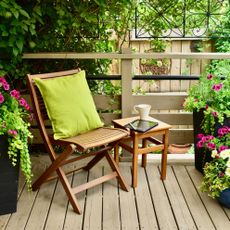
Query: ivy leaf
[15,51]
[19,44]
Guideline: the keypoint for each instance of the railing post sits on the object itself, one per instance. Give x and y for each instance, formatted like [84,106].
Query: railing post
[126,83]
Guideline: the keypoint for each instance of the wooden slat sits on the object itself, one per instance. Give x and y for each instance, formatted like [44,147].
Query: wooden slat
[161,100]
[161,204]
[144,203]
[179,206]
[93,208]
[41,206]
[129,219]
[193,200]
[56,216]
[215,211]
[111,211]
[71,218]
[181,136]
[19,219]
[174,118]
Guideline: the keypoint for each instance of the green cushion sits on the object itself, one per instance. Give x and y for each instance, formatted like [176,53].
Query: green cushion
[69,105]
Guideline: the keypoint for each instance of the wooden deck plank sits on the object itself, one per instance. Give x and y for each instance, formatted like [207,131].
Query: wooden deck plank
[214,209]
[72,219]
[111,210]
[161,203]
[58,208]
[179,206]
[145,208]
[129,218]
[196,206]
[19,219]
[93,208]
[41,206]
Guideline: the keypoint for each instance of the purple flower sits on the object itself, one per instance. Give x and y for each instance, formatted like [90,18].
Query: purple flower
[209,76]
[1,98]
[217,87]
[211,145]
[14,93]
[222,147]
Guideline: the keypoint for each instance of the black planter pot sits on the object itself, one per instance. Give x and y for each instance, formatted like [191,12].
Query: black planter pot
[224,198]
[8,180]
[203,155]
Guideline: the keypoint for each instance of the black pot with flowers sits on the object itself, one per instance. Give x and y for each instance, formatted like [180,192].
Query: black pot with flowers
[209,100]
[14,136]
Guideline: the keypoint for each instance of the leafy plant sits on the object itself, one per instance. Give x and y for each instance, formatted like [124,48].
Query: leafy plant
[212,94]
[14,115]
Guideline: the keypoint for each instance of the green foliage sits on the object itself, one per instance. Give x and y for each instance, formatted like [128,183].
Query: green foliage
[14,115]
[217,174]
[212,94]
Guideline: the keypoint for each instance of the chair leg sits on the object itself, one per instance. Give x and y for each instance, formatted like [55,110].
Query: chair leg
[115,168]
[55,164]
[94,161]
[68,190]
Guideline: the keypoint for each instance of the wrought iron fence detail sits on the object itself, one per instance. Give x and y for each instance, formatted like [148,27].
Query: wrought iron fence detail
[179,18]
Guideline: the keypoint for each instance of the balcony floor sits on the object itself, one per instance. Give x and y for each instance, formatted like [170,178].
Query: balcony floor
[175,203]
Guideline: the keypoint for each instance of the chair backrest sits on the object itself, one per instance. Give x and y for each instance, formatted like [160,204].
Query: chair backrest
[38,103]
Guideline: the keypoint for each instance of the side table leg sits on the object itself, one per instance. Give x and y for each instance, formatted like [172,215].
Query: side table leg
[116,154]
[164,155]
[135,162]
[144,156]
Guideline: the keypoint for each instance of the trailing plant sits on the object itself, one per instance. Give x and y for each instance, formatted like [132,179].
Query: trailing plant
[14,123]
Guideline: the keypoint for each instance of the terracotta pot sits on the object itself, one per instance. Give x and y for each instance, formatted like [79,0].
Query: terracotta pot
[179,149]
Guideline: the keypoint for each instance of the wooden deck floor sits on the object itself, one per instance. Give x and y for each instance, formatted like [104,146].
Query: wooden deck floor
[175,203]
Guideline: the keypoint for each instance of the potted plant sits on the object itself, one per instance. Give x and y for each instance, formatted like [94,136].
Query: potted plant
[216,180]
[209,100]
[14,135]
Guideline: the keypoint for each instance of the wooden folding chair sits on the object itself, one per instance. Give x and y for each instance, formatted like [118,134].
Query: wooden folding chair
[102,139]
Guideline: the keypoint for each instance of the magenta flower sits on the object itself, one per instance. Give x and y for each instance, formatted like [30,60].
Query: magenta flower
[211,145]
[6,86]
[209,76]
[215,114]
[199,144]
[14,93]
[199,135]
[206,107]
[12,132]
[1,98]
[221,174]
[2,80]
[222,147]
[223,131]
[217,87]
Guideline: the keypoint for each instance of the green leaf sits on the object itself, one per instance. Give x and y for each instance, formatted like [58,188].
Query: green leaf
[19,44]
[15,51]
[24,13]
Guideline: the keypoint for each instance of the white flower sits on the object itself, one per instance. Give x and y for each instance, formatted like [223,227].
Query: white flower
[228,163]
[225,154]
[227,171]
[214,153]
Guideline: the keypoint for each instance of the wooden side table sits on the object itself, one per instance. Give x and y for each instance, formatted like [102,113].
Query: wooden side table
[131,144]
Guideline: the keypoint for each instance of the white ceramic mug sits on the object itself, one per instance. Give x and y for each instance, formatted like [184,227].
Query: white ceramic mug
[143,110]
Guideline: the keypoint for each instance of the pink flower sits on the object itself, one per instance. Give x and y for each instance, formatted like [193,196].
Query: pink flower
[206,107]
[199,136]
[217,87]
[221,174]
[6,86]
[222,147]
[1,98]
[14,93]
[209,76]
[12,132]
[211,145]
[2,80]
[199,144]
[224,130]
[215,114]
